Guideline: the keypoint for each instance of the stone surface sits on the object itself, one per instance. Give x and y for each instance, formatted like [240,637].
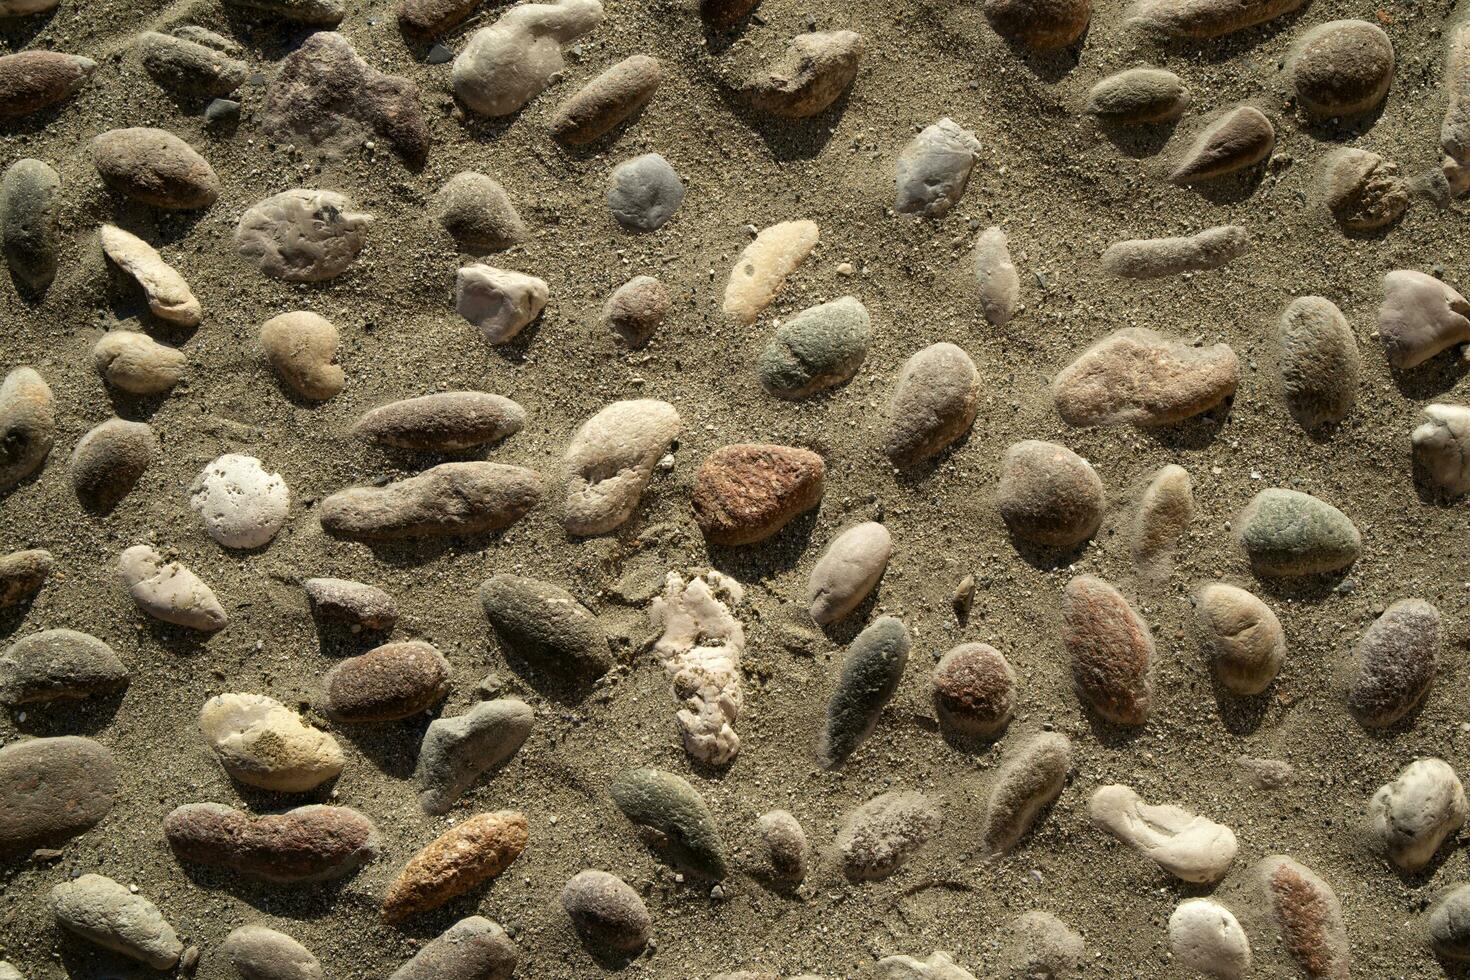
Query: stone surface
[302,235]
[974,690]
[108,461]
[848,571]
[1040,946]
[1111,651]
[1206,937]
[137,364]
[1208,18]
[1420,317]
[304,845]
[301,347]
[168,591]
[169,297]
[192,63]
[153,166]
[28,222]
[546,628]
[877,838]
[635,310]
[612,97]
[393,681]
[1048,495]
[1144,378]
[937,966]
[1362,190]
[763,266]
[259,953]
[1394,663]
[672,819]
[870,676]
[934,169]
[812,74]
[1240,138]
[241,504]
[472,949]
[1287,533]
[498,301]
[1241,636]
[107,914]
[431,18]
[1139,96]
[27,425]
[932,405]
[700,643]
[1189,847]
[447,500]
[317,13]
[744,494]
[1449,925]
[997,283]
[59,663]
[1155,258]
[22,573]
[1341,68]
[462,858]
[264,744]
[444,422]
[643,193]
[1320,366]
[607,914]
[1041,25]
[354,603]
[783,849]
[1454,133]
[610,461]
[1442,448]
[34,80]
[1306,911]
[507,64]
[1413,815]
[52,789]
[818,348]
[1030,778]
[477,212]
[456,751]
[1164,514]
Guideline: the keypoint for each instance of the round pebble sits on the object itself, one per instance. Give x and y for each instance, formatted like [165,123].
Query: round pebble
[1362,190]
[974,690]
[301,347]
[643,193]
[1242,637]
[1139,96]
[242,505]
[1413,815]
[1049,495]
[607,914]
[1206,937]
[477,212]
[52,789]
[784,853]
[262,743]
[634,311]
[1341,68]
[472,949]
[393,681]
[933,404]
[109,460]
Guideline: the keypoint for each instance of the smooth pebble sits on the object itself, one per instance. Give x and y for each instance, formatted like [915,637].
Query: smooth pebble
[1241,636]
[260,953]
[819,348]
[137,364]
[635,310]
[1307,913]
[1048,495]
[932,405]
[1139,97]
[109,460]
[1420,317]
[301,846]
[28,223]
[1341,68]
[1441,448]
[168,591]
[1320,366]
[168,294]
[1240,138]
[848,571]
[52,789]
[672,819]
[509,63]
[606,912]
[472,949]
[607,100]
[546,628]
[27,425]
[870,675]
[153,166]
[1206,937]
[444,422]
[813,73]
[102,912]
[1156,258]
[301,347]
[477,213]
[1413,815]
[643,193]
[262,743]
[1143,378]
[447,500]
[764,265]
[610,460]
[934,169]
[456,751]
[500,302]
[1189,847]
[59,664]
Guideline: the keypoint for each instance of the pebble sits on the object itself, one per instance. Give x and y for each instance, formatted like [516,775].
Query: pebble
[1441,448]
[1144,378]
[1454,133]
[27,425]
[52,789]
[1041,25]
[607,914]
[300,846]
[23,8]
[724,14]
[1040,946]
[1139,96]
[1449,925]
[1205,937]
[241,505]
[643,193]
[880,836]
[819,348]
[1306,911]
[477,213]
[635,310]
[168,591]
[609,99]
[302,235]
[1413,815]
[700,643]
[870,675]
[812,74]
[848,571]
[1164,514]
[996,281]
[301,346]
[1189,847]
[784,853]
[137,364]
[509,63]
[610,461]
[32,80]
[934,169]
[974,690]
[444,422]
[28,222]
[1049,495]
[456,751]
[463,857]
[1420,317]
[319,13]
[1241,636]
[472,949]
[344,601]
[1362,190]
[59,663]
[1341,68]
[1320,366]
[431,18]
[1208,18]
[1394,663]
[546,628]
[744,494]
[220,111]
[672,819]
[264,744]
[259,953]
[1111,650]
[107,914]
[498,301]
[1155,258]
[153,166]
[1239,139]
[1287,532]
[22,573]
[932,405]
[1031,777]
[193,62]
[1266,774]
[447,500]
[938,966]
[8,972]
[763,266]
[169,296]
[108,462]
[393,681]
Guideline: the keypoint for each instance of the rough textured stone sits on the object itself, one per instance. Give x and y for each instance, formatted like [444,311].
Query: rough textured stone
[1049,495]
[1208,18]
[431,18]
[818,348]
[477,212]
[1319,362]
[307,844]
[1341,68]
[107,914]
[1454,133]
[59,663]
[443,501]
[635,310]
[168,591]
[1420,317]
[301,347]
[974,690]
[241,504]
[782,844]
[444,422]
[938,966]
[1030,778]
[472,949]
[700,643]
[610,459]
[27,425]
[934,169]
[1362,190]
[878,837]
[610,98]
[997,283]
[33,80]
[643,193]
[1144,378]
[302,235]
[499,301]
[259,953]
[456,751]
[848,571]
[746,493]
[153,166]
[1306,910]
[1190,847]
[393,681]
[1449,925]
[109,460]
[168,294]
[137,364]
[1041,25]
[1154,258]
[1139,96]
[1164,514]
[1411,816]
[1241,636]
[1240,138]
[870,676]
[262,743]
[22,573]
[343,601]
[192,63]
[932,405]
[52,789]
[1442,448]
[672,819]
[763,266]
[814,71]
[462,858]
[1205,936]
[1287,532]
[1039,946]
[507,64]
[546,627]
[1111,651]
[607,914]
[318,13]
[28,222]
[1394,663]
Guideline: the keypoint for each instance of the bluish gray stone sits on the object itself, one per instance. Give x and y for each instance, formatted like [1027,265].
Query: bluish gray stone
[644,192]
[870,675]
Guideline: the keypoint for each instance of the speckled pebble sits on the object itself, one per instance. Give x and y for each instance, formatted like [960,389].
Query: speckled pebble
[607,914]
[672,819]
[301,846]
[1307,913]
[635,310]
[241,504]
[153,166]
[1040,25]
[260,953]
[1048,495]
[819,348]
[546,628]
[744,494]
[477,213]
[107,914]
[1341,68]
[880,836]
[448,500]
[1320,367]
[462,858]
[1394,663]
[974,690]
[22,573]
[1290,533]
[393,681]
[354,603]
[1111,651]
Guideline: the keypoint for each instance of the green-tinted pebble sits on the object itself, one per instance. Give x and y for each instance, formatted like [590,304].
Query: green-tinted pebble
[1286,532]
[818,348]
[870,675]
[674,819]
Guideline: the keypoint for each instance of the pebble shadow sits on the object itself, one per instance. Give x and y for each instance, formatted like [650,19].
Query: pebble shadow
[766,559]
[787,139]
[65,716]
[1432,378]
[304,901]
[391,746]
[1241,714]
[1194,433]
[1139,142]
[1302,588]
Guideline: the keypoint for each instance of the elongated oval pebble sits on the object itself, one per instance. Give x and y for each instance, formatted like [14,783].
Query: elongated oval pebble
[1030,778]
[443,501]
[59,663]
[52,789]
[673,819]
[32,80]
[1239,139]
[308,844]
[932,405]
[1394,663]
[472,949]
[607,913]
[783,846]
[1209,18]
[1307,912]
[1189,847]
[1449,925]
[169,296]
[458,860]
[547,628]
[878,837]
[27,425]
[1288,533]
[28,222]
[259,953]
[168,591]
[1205,936]
[819,348]
[1164,514]
[192,63]
[607,100]
[1111,650]
[1412,816]
[1041,25]
[1138,96]
[1048,495]
[138,364]
[763,266]
[109,461]
[393,681]
[870,675]
[155,167]
[109,915]
[1319,362]
[1242,637]
[996,280]
[1155,258]
[848,571]
[447,421]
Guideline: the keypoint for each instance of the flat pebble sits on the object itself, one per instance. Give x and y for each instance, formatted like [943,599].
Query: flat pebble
[744,494]
[168,294]
[302,235]
[1240,138]
[1165,511]
[1394,663]
[812,74]
[192,63]
[457,751]
[462,858]
[937,966]
[1155,258]
[22,573]
[546,628]
[635,309]
[300,846]
[610,461]
[1031,776]
[1413,815]
[1041,25]
[318,13]
[59,664]
[1449,925]
[109,460]
[33,80]
[1205,936]
[301,347]
[259,953]
[879,837]
[431,18]
[354,603]
[472,949]
[763,266]
[447,500]
[1144,378]
[643,193]
[1420,317]
[107,914]
[168,591]
[1040,946]
[509,63]
[27,425]
[137,364]
[393,681]
[1241,636]
[1306,910]
[1320,366]
[1363,191]
[1341,68]
[607,914]
[848,571]
[1287,533]
[974,690]
[934,169]
[932,405]
[28,222]
[241,504]
[153,166]
[477,213]
[1442,448]
[1111,651]
[1189,847]
[783,849]
[672,819]
[870,675]
[1138,97]
[444,422]
[1208,18]
[819,348]
[499,301]
[609,99]
[997,283]
[264,744]
[52,789]
[1048,495]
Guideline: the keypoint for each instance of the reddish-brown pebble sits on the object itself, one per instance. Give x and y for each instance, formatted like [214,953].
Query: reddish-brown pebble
[464,856]
[1111,649]
[746,493]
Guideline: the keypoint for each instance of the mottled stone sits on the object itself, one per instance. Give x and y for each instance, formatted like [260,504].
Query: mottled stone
[1208,18]
[153,166]
[810,75]
[456,751]
[1362,190]
[1144,378]
[472,949]
[609,99]
[1040,946]
[1413,815]
[1111,651]
[1454,133]
[477,212]
[783,849]
[1449,925]
[672,819]
[59,663]
[22,573]
[1240,138]
[1442,448]
[1320,366]
[1189,847]
[1031,777]
[168,591]
[168,294]
[1307,913]
[878,837]
[974,690]
[107,914]
[607,914]
[108,462]
[317,13]
[241,504]
[744,494]
[192,63]
[934,169]
[304,845]
[848,571]
[33,80]
[1155,258]
[643,193]
[1287,532]
[264,744]
[1139,96]
[635,310]
[870,676]
[507,64]
[1049,495]
[462,858]
[27,425]
[354,603]
[932,405]
[764,265]
[997,284]
[52,789]
[431,18]
[499,301]
[1041,25]
[700,643]
[393,681]
[1241,636]
[1341,68]
[28,222]
[137,364]
[546,627]
[610,460]
[1394,663]
[301,347]
[302,235]
[447,500]
[1420,317]
[819,348]
[444,422]
[259,953]
[1164,514]
[1205,937]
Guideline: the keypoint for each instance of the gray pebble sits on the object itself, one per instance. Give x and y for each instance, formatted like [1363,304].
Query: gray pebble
[819,348]
[643,193]
[997,283]
[27,425]
[1138,96]
[52,789]
[1287,532]
[196,65]
[28,222]
[105,913]
[477,212]
[109,460]
[259,953]
[455,751]
[1040,946]
[783,849]
[59,663]
[221,110]
[1449,925]
[471,949]
[1319,362]
[354,603]
[934,169]
[932,405]
[672,819]
[546,627]
[443,501]
[608,915]
[878,837]
[1394,663]
[870,676]
[1030,778]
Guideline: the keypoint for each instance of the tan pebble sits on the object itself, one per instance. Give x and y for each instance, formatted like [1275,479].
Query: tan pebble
[468,854]
[169,296]
[137,363]
[764,265]
[301,347]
